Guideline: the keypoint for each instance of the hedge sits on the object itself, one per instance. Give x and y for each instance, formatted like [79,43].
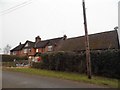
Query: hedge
[106,63]
[8,64]
[103,62]
[10,58]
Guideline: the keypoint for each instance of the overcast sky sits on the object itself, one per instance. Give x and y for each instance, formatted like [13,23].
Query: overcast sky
[53,18]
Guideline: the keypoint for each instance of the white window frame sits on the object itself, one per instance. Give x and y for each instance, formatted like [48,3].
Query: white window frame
[25,51]
[36,50]
[50,48]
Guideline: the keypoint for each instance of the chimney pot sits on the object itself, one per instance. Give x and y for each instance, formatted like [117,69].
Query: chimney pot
[37,39]
[20,43]
[64,37]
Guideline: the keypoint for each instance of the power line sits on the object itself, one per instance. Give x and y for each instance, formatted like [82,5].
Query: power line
[15,7]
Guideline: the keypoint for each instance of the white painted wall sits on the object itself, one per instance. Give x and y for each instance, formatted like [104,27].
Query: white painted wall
[119,21]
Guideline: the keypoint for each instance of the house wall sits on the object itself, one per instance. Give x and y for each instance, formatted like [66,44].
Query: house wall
[22,53]
[41,50]
[46,48]
[32,52]
[18,53]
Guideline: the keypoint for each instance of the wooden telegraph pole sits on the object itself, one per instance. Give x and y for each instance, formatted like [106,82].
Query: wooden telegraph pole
[88,63]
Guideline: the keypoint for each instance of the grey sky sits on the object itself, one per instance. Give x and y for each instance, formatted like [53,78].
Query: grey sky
[119,22]
[53,18]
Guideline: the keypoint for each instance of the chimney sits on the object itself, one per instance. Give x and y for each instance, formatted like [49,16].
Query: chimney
[37,39]
[64,37]
[20,43]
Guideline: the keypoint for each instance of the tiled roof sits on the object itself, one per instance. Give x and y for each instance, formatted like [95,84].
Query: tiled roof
[21,46]
[30,44]
[17,48]
[42,44]
[104,40]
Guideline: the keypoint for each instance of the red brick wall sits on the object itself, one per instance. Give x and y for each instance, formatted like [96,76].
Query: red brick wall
[41,50]
[46,49]
[32,52]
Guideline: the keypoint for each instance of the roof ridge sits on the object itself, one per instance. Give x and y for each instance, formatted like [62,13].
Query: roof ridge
[92,34]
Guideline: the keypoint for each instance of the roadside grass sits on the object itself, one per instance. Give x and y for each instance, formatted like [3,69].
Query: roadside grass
[103,81]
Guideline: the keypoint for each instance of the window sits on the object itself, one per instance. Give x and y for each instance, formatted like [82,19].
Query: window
[36,50]
[25,50]
[50,48]
[29,50]
[14,53]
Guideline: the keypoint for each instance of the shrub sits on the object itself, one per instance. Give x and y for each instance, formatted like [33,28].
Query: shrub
[10,58]
[62,61]
[8,64]
[106,63]
[103,62]
[37,65]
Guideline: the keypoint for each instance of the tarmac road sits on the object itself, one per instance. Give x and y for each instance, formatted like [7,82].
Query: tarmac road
[22,80]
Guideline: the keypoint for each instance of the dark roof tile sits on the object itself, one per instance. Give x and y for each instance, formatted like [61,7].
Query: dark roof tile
[30,44]
[17,48]
[42,44]
[104,40]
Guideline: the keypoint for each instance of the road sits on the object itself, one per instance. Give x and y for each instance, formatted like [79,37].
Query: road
[22,80]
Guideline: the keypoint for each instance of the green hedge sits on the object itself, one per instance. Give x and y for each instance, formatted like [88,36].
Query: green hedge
[63,61]
[8,64]
[10,58]
[104,63]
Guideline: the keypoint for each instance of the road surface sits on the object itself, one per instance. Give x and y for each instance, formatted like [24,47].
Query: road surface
[22,80]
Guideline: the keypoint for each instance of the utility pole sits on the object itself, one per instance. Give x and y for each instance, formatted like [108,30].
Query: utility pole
[88,62]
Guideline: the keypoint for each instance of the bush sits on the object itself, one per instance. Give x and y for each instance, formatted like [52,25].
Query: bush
[106,63]
[10,58]
[8,64]
[62,61]
[37,65]
[103,62]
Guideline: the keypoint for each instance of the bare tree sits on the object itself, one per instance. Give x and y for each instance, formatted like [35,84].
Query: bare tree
[7,49]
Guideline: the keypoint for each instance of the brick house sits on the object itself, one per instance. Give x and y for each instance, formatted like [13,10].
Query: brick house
[23,49]
[30,48]
[48,45]
[17,50]
[99,41]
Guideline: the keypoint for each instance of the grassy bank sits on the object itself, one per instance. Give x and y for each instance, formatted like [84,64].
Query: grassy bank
[69,76]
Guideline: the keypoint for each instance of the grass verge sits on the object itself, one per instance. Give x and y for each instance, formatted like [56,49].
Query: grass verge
[112,83]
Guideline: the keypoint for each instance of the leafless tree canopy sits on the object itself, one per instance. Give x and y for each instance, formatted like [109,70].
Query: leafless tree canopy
[7,49]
